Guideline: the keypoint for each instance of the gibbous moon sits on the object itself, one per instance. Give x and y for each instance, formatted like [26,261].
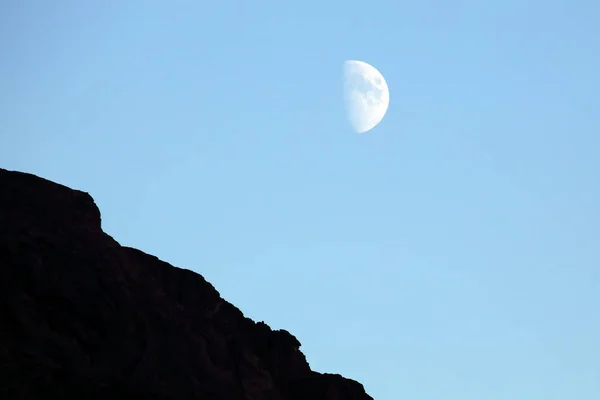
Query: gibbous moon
[366,94]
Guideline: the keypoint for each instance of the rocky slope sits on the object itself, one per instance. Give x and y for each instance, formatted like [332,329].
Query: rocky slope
[82,317]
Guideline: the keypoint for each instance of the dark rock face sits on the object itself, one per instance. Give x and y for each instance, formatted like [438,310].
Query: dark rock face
[82,317]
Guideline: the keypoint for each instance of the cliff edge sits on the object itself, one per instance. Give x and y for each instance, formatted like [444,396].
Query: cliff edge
[83,317]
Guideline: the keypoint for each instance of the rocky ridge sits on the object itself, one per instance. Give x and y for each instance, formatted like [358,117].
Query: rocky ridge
[84,317]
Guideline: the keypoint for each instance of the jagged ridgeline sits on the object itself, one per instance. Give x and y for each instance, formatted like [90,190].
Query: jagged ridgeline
[82,317]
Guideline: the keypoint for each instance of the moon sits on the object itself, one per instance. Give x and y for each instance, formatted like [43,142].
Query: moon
[366,94]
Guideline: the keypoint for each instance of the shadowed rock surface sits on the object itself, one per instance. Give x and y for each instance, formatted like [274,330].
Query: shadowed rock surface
[82,317]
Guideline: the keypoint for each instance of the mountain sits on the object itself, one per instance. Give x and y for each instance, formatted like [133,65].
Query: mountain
[83,317]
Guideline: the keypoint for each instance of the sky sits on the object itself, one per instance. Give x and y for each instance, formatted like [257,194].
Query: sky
[452,252]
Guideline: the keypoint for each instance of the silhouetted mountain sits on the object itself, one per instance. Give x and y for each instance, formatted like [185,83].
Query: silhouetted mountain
[82,317]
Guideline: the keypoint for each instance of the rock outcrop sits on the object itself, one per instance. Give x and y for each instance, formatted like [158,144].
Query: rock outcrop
[82,317]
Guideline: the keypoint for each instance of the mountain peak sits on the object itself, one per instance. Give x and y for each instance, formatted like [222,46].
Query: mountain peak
[84,317]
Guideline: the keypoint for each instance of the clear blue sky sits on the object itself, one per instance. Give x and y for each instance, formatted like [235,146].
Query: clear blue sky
[453,252]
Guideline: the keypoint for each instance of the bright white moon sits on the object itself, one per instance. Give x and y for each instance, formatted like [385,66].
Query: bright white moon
[366,95]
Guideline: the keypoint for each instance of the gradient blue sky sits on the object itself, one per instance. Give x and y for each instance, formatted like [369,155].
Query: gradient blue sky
[452,253]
